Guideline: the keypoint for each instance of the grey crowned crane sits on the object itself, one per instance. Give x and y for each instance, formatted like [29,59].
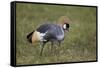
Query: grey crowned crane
[50,32]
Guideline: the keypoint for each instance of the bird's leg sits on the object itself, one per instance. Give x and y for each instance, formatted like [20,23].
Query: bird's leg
[43,44]
[52,46]
[59,43]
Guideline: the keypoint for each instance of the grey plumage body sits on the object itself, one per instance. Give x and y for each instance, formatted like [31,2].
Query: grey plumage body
[52,32]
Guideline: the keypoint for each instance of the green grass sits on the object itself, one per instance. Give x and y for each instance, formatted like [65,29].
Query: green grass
[79,44]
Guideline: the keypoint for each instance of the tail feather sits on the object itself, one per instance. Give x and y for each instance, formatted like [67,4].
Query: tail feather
[29,36]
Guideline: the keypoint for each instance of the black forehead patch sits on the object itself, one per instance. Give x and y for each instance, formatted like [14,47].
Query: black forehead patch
[67,25]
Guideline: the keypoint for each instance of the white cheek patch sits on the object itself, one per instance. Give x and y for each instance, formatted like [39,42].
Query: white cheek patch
[64,26]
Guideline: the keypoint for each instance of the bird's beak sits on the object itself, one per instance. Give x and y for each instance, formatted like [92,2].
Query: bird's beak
[67,30]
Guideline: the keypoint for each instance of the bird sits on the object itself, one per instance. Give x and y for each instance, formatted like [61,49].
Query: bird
[50,32]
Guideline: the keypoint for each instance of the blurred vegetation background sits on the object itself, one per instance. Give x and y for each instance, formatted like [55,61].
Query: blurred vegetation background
[79,43]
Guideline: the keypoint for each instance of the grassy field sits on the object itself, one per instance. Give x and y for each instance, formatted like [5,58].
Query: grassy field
[79,44]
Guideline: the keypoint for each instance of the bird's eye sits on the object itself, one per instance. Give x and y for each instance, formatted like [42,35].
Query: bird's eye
[65,26]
